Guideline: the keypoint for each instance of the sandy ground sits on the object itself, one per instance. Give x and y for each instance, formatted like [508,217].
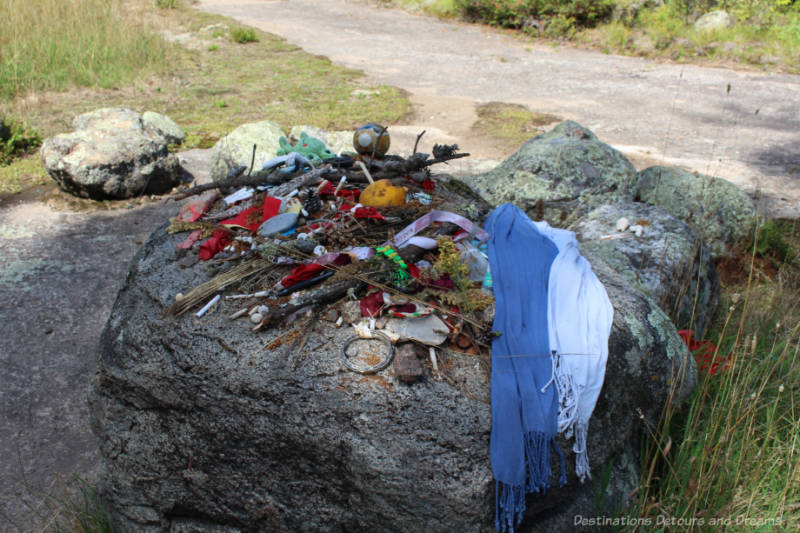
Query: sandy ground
[60,270]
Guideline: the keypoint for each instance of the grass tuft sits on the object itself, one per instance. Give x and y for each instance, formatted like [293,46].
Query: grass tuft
[16,139]
[243,35]
[55,45]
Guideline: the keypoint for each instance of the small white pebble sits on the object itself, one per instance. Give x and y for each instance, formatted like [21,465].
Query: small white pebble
[256,318]
[622,224]
[179,297]
[637,230]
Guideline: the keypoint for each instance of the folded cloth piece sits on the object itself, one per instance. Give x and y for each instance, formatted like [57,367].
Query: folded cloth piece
[214,244]
[580,317]
[253,217]
[524,404]
[311,270]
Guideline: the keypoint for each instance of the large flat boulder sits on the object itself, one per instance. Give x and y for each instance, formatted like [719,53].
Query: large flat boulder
[659,254]
[559,175]
[206,426]
[112,154]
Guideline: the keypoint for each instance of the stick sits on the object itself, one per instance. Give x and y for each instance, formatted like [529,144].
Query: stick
[377,143]
[275,177]
[366,171]
[393,169]
[311,177]
[252,161]
[417,142]
[231,183]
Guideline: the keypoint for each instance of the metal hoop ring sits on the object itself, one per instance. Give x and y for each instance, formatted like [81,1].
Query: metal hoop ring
[370,369]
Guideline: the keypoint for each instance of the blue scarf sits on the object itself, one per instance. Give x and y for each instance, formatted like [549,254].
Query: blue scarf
[524,399]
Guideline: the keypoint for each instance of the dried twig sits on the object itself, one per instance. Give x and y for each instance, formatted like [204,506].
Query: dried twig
[202,292]
[311,176]
[252,161]
[416,143]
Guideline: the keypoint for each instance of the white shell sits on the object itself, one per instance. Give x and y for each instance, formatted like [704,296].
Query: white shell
[623,224]
[637,230]
[256,318]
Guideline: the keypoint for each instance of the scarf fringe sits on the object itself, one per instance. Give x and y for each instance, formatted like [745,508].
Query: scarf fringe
[570,423]
[509,505]
[567,397]
[510,499]
[581,455]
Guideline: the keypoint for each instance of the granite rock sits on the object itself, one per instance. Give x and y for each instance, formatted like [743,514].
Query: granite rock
[668,261]
[112,154]
[236,148]
[559,175]
[165,125]
[718,209]
[200,426]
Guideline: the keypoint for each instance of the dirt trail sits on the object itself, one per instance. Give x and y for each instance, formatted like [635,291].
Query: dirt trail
[654,112]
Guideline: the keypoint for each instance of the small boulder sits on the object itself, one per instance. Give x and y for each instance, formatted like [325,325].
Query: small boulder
[236,148]
[166,126]
[668,261]
[713,20]
[559,175]
[720,211]
[112,154]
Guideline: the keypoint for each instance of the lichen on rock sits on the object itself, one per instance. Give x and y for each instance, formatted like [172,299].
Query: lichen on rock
[668,261]
[112,154]
[236,148]
[720,211]
[559,175]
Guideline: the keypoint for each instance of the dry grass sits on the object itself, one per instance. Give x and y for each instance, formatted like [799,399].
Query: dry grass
[510,125]
[731,461]
[208,84]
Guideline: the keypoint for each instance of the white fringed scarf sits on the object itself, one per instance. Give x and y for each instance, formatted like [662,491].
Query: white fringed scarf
[580,317]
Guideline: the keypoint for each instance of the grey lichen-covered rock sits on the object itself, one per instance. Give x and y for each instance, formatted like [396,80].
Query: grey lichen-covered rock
[200,426]
[236,148]
[714,20]
[168,128]
[112,154]
[668,261]
[720,211]
[336,141]
[559,175]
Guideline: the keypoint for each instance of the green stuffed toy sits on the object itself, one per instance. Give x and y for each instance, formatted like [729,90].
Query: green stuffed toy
[309,147]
